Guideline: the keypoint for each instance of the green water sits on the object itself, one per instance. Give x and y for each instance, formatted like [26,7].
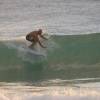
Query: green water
[73,57]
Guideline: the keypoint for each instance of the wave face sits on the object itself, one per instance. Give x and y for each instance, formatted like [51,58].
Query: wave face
[66,57]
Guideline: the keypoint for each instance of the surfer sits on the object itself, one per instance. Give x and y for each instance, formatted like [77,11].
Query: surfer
[33,37]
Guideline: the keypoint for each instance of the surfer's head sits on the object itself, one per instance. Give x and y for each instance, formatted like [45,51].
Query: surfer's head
[40,31]
[29,37]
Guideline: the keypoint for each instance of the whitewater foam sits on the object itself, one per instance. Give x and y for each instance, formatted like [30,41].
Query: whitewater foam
[55,92]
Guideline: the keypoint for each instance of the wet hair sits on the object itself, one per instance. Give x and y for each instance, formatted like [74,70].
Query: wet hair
[29,37]
[40,31]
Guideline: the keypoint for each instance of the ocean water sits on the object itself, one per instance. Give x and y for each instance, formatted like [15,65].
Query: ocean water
[69,68]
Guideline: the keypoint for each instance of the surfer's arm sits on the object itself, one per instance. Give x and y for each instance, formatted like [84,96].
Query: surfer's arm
[43,37]
[41,44]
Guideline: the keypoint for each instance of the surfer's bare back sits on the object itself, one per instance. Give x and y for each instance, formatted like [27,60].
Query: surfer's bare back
[33,37]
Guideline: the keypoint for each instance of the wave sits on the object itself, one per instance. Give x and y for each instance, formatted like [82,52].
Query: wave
[66,57]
